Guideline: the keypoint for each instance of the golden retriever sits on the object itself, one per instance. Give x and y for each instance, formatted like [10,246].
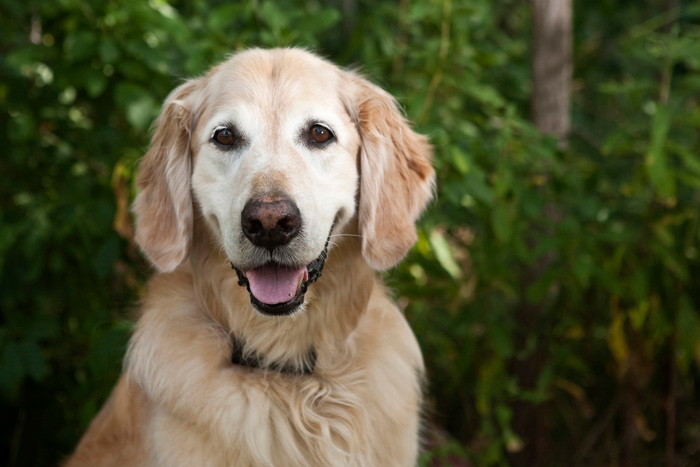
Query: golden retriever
[274,189]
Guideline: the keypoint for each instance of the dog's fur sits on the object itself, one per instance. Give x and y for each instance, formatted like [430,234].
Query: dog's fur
[180,400]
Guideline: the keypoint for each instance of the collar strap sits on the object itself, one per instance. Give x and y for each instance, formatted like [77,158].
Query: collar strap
[253,360]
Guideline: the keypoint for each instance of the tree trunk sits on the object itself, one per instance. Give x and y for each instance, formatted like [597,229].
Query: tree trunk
[551,66]
[551,79]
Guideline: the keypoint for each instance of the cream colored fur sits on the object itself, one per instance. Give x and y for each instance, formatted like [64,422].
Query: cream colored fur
[180,400]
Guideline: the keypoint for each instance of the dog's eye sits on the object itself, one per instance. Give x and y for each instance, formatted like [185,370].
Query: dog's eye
[225,137]
[320,134]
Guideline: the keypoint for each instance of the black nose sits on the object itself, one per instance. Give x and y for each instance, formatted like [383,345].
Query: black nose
[270,222]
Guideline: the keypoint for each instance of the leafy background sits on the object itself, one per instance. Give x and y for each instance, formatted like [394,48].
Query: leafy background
[593,360]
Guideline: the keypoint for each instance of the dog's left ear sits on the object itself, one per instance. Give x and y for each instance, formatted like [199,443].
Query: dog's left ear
[396,175]
[163,208]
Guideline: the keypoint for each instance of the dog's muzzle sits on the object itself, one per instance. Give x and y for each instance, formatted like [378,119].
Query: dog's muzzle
[278,289]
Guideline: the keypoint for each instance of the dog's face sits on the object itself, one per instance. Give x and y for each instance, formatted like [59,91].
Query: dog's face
[275,170]
[277,147]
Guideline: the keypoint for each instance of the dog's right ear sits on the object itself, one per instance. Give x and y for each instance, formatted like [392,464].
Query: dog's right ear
[163,208]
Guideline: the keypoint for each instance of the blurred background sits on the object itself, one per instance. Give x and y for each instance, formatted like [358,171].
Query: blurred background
[555,288]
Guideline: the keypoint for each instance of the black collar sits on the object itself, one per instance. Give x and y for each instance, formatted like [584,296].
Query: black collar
[253,360]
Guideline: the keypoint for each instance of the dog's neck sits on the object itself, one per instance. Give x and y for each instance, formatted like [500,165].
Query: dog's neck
[243,357]
[333,307]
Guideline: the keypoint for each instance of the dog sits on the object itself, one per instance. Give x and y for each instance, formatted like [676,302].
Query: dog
[274,189]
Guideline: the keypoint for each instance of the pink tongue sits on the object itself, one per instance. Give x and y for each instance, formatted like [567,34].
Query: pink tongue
[275,284]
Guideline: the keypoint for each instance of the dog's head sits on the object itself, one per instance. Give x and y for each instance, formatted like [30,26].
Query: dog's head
[278,150]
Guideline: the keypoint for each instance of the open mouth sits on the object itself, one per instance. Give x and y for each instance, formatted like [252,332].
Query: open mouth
[279,289]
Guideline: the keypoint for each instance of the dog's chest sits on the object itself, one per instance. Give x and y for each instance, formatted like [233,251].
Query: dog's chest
[303,422]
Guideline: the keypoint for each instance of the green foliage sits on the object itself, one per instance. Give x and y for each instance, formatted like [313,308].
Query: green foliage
[608,228]
[560,278]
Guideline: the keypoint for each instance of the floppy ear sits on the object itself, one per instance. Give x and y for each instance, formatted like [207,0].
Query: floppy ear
[396,176]
[163,207]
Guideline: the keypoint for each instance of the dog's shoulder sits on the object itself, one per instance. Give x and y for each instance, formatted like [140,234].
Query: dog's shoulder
[116,436]
[394,375]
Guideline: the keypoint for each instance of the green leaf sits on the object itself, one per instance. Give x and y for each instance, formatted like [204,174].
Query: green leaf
[501,222]
[485,94]
[324,19]
[273,17]
[443,253]
[79,45]
[223,16]
[109,51]
[475,184]
[460,160]
[656,161]
[500,340]
[689,158]
[138,104]
[582,268]
[94,81]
